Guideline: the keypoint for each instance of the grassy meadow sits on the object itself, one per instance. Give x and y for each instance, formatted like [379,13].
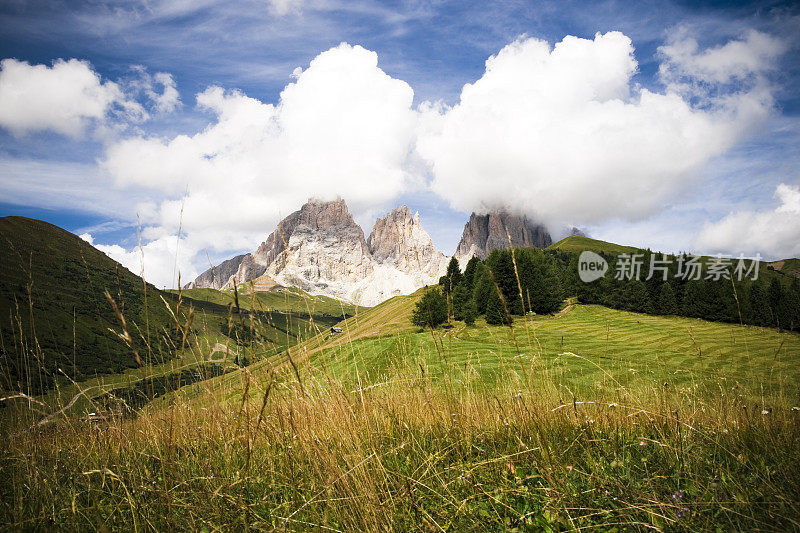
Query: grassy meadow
[591,419]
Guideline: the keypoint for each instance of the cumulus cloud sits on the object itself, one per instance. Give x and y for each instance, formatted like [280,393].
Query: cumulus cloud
[774,234]
[564,133]
[64,98]
[160,261]
[342,127]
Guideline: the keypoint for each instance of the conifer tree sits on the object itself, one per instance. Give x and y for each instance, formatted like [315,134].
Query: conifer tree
[495,310]
[760,313]
[460,299]
[667,305]
[431,310]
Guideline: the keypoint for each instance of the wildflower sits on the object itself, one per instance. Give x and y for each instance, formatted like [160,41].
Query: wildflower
[677,495]
[612,405]
[682,512]
[795,408]
[766,411]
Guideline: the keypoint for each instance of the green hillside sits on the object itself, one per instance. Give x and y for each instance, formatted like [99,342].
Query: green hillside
[580,349]
[790,267]
[283,299]
[577,243]
[55,317]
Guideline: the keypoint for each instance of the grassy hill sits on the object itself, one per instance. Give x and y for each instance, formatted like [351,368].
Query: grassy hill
[582,349]
[577,243]
[281,299]
[55,318]
[589,419]
[790,267]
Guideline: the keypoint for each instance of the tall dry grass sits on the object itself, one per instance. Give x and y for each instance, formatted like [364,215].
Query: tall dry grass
[297,450]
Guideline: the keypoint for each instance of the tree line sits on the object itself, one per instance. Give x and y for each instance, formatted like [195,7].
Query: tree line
[505,285]
[529,280]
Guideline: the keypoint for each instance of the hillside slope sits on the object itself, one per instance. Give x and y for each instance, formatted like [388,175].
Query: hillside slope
[54,316]
[578,243]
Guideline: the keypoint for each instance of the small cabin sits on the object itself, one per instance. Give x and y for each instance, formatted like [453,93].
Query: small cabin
[336,329]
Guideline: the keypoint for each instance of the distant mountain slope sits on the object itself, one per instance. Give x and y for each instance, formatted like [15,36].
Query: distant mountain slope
[790,267]
[578,243]
[54,316]
[492,231]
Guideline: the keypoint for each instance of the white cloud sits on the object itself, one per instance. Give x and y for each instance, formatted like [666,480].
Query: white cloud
[774,234]
[565,134]
[751,56]
[160,261]
[284,7]
[64,98]
[562,133]
[343,127]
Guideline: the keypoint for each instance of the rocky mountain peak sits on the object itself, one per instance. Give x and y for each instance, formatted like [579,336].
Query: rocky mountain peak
[320,249]
[492,231]
[314,215]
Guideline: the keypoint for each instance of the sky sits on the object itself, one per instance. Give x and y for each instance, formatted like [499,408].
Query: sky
[174,134]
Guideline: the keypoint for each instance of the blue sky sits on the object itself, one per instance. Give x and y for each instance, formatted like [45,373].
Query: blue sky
[76,179]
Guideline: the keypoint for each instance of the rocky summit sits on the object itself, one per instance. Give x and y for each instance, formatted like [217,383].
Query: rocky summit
[322,250]
[499,230]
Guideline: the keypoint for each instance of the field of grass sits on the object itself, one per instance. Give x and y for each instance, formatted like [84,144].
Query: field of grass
[593,419]
[576,243]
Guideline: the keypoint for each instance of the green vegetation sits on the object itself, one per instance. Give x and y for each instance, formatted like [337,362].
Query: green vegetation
[593,419]
[283,299]
[562,416]
[56,320]
[576,243]
[431,310]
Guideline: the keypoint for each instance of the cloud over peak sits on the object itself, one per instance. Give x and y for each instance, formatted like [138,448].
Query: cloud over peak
[564,133]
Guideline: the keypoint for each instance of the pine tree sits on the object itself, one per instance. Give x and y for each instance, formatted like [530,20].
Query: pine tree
[692,305]
[775,296]
[431,310]
[459,299]
[482,289]
[637,298]
[760,314]
[469,272]
[470,312]
[495,310]
[793,305]
[667,305]
[452,278]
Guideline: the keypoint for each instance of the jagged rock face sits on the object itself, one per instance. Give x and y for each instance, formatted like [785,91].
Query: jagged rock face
[314,215]
[399,239]
[219,276]
[329,260]
[321,250]
[484,233]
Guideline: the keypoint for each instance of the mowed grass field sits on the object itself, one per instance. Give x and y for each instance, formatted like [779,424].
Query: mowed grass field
[581,351]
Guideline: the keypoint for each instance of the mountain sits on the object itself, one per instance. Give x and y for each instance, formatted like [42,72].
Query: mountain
[400,240]
[55,316]
[484,233]
[321,250]
[790,267]
[219,276]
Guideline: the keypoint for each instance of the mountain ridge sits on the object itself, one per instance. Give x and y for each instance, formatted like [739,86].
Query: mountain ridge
[322,250]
